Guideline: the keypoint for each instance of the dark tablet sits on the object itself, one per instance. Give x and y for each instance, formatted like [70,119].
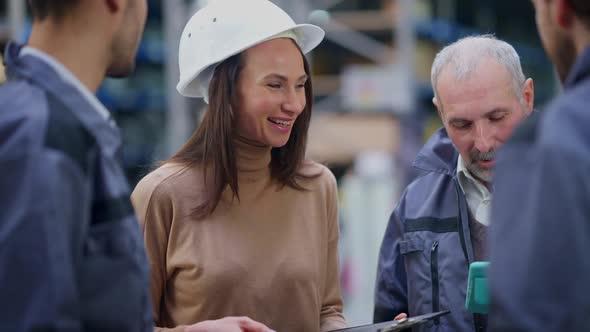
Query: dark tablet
[393,326]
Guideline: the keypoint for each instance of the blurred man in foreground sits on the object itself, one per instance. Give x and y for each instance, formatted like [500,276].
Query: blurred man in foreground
[71,257]
[540,238]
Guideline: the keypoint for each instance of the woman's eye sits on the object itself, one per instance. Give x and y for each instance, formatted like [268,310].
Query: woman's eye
[274,85]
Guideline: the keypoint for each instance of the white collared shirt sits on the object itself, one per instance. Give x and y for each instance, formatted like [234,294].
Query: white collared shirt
[67,76]
[477,194]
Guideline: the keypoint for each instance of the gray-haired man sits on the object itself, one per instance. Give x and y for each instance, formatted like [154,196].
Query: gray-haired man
[439,225]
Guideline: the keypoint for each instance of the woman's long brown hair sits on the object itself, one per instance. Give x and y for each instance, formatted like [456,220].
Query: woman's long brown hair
[212,146]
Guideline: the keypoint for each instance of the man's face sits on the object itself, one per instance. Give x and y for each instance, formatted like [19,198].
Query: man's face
[559,46]
[480,113]
[127,39]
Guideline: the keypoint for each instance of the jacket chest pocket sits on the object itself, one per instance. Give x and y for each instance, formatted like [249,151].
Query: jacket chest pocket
[422,271]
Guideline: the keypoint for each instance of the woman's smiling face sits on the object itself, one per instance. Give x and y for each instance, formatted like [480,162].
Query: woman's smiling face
[271,92]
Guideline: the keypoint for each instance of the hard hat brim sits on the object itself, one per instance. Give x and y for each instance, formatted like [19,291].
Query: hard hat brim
[309,36]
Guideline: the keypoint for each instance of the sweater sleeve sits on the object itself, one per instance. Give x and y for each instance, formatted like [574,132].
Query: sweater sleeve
[331,317]
[155,211]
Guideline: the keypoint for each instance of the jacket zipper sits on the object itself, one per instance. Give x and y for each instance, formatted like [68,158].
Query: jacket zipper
[434,276]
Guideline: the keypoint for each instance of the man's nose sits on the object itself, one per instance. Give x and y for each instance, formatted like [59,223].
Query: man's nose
[484,141]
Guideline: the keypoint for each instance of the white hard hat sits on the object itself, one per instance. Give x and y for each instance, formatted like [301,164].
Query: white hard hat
[227,27]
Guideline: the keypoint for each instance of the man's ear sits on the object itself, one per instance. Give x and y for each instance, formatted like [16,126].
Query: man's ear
[438,108]
[115,9]
[563,13]
[528,95]
[114,5]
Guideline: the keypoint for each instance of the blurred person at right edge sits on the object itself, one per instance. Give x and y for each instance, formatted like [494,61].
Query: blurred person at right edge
[440,223]
[238,222]
[540,236]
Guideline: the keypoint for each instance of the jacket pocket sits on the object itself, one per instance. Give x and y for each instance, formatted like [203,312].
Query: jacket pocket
[113,277]
[435,281]
[411,246]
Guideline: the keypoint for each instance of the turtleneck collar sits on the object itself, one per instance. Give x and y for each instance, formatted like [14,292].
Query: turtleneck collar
[252,158]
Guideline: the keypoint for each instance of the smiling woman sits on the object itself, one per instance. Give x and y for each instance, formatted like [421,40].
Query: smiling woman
[238,223]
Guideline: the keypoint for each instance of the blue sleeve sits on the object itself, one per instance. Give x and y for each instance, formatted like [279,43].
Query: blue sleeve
[71,255]
[540,241]
[40,193]
[391,287]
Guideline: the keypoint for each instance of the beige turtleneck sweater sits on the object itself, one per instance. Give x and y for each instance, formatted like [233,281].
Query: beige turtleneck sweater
[271,256]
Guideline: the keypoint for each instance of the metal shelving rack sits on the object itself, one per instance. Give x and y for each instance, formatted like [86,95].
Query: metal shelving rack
[16,19]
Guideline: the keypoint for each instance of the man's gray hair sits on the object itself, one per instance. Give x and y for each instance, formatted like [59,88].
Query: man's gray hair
[464,56]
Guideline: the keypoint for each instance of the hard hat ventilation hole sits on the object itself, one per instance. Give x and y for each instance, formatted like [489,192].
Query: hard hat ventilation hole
[215,19]
[189,34]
